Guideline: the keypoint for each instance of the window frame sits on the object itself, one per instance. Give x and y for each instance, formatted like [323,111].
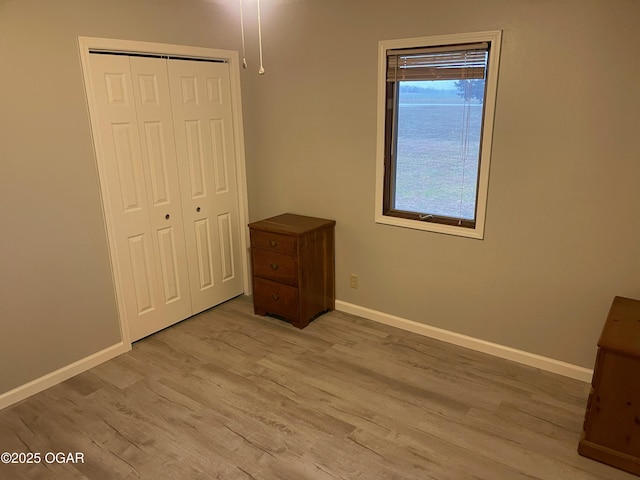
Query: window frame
[383,183]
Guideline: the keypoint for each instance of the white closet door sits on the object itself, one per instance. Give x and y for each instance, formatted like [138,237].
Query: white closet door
[202,112]
[155,124]
[142,196]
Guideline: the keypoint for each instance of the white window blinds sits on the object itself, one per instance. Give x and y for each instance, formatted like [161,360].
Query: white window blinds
[455,62]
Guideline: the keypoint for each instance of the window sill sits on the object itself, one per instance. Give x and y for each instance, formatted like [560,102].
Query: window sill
[477,232]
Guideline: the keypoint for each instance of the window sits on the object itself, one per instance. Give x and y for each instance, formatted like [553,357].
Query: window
[436,98]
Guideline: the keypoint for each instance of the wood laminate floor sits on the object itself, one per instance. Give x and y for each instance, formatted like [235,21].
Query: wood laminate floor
[228,395]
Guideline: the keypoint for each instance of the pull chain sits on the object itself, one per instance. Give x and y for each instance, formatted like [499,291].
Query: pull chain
[261,70]
[244,55]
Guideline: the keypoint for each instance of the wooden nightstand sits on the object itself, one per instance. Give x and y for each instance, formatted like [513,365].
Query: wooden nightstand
[611,432]
[292,258]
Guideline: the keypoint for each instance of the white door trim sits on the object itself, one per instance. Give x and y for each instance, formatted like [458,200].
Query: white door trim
[86,44]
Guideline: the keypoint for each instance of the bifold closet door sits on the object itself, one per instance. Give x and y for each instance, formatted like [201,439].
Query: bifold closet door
[202,115]
[168,169]
[138,161]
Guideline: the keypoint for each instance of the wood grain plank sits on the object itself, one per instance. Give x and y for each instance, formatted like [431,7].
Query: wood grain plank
[230,395]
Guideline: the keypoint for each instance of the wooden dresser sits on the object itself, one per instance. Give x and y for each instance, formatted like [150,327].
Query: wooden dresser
[611,432]
[292,258]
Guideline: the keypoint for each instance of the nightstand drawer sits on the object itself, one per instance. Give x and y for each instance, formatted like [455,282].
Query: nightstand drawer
[275,298]
[276,266]
[273,242]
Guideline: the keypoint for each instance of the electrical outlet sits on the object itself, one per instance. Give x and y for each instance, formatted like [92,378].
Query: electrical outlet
[353,280]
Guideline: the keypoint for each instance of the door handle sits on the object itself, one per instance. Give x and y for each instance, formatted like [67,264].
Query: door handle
[274,266]
[273,243]
[275,297]
[167,216]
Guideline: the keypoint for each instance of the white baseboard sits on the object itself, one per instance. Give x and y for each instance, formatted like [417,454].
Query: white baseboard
[508,353]
[501,351]
[60,375]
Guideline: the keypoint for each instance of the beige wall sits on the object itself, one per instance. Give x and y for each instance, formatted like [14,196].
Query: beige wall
[562,228]
[563,221]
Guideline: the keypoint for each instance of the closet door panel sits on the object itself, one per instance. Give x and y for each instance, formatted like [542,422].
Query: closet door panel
[125,197]
[201,100]
[155,124]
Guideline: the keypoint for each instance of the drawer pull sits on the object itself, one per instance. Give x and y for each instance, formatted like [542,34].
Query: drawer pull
[274,266]
[275,297]
[273,243]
